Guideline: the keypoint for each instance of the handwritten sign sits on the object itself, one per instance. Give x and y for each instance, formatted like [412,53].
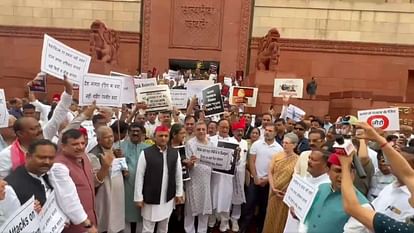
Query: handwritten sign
[157,98]
[59,59]
[295,113]
[128,93]
[406,116]
[288,87]
[107,91]
[387,119]
[218,158]
[4,114]
[172,74]
[51,218]
[179,98]
[212,100]
[300,195]
[145,82]
[245,96]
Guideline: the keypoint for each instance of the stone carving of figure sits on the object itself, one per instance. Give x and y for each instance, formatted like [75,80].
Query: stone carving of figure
[269,51]
[104,43]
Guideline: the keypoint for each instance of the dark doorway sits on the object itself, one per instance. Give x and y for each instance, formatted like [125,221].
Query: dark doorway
[181,64]
[409,95]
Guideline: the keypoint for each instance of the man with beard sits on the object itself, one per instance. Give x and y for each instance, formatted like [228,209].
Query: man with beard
[316,142]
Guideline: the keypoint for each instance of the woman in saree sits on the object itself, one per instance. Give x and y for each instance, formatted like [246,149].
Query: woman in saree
[280,173]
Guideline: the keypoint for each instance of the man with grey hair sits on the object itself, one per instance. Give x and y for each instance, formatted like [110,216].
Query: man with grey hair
[109,182]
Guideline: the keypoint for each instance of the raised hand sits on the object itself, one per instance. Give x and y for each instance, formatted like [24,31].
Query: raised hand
[68,85]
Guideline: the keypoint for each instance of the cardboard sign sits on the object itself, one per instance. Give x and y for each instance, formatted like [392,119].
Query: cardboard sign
[195,87]
[300,195]
[26,215]
[145,82]
[59,59]
[157,98]
[39,84]
[128,93]
[288,87]
[387,119]
[218,158]
[246,96]
[51,218]
[295,113]
[228,81]
[172,74]
[4,113]
[406,116]
[106,90]
[179,98]
[212,100]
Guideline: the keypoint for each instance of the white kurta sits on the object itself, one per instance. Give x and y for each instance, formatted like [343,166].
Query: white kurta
[292,225]
[156,213]
[222,184]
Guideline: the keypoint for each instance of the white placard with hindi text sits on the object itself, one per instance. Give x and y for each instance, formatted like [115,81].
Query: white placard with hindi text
[179,98]
[4,114]
[128,93]
[104,89]
[295,113]
[157,98]
[300,195]
[145,82]
[59,59]
[288,87]
[387,119]
[51,218]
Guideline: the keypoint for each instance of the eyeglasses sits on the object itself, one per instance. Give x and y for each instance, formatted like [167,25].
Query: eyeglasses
[300,129]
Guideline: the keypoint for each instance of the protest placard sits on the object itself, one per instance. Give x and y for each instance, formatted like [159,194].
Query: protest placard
[300,195]
[59,59]
[246,96]
[128,93]
[145,82]
[406,115]
[172,74]
[179,98]
[295,113]
[288,87]
[195,87]
[106,90]
[218,158]
[39,83]
[228,81]
[4,114]
[185,170]
[387,119]
[51,218]
[157,98]
[24,219]
[212,100]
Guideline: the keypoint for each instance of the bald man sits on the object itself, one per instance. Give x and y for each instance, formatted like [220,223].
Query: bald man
[109,182]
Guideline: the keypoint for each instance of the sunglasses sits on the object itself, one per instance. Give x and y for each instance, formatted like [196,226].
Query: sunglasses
[301,129]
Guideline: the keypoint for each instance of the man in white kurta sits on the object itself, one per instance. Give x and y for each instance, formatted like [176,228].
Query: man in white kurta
[222,184]
[158,213]
[316,175]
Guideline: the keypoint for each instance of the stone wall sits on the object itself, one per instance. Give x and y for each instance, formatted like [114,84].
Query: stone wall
[379,21]
[121,15]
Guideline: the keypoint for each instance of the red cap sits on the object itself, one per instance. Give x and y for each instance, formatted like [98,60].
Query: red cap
[239,125]
[334,159]
[83,132]
[56,97]
[162,128]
